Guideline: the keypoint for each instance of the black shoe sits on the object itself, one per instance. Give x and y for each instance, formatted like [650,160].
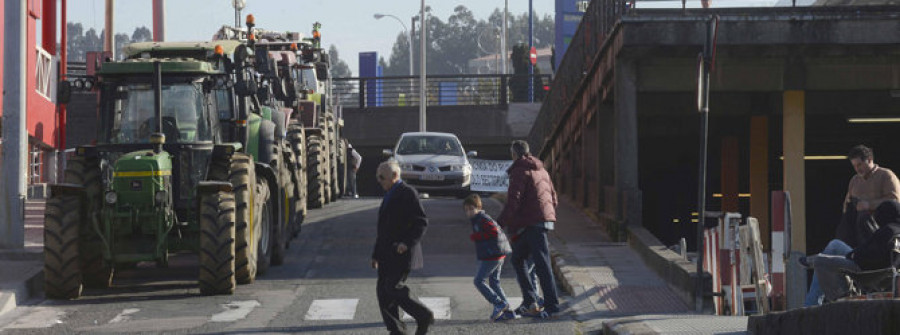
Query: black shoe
[422,327]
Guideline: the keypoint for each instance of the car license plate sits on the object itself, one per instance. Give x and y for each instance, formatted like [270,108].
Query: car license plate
[432,177]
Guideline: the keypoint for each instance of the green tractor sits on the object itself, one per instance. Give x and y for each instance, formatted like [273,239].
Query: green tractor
[297,71]
[323,123]
[183,163]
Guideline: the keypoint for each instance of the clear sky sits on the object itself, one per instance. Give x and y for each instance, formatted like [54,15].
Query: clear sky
[348,24]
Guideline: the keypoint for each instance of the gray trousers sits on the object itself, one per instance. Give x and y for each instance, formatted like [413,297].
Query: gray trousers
[828,268]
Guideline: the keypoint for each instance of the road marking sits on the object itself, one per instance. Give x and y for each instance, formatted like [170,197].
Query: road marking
[440,306]
[235,310]
[124,316]
[40,317]
[332,309]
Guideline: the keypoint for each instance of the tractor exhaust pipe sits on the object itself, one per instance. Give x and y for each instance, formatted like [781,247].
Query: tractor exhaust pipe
[158,138]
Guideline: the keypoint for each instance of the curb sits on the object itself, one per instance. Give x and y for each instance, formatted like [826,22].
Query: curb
[14,294]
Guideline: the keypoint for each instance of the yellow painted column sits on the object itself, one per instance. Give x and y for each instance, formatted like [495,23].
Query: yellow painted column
[794,111]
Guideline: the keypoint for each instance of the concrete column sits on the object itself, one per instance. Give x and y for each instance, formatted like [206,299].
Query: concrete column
[15,136]
[793,141]
[109,41]
[626,146]
[759,176]
[159,20]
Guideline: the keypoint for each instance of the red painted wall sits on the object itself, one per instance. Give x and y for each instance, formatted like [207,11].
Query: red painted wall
[41,120]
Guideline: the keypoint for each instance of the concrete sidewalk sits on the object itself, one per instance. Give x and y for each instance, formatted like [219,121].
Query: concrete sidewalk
[21,271]
[612,289]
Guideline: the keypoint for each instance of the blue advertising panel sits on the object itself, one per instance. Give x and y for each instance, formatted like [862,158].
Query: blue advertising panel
[448,94]
[568,17]
[368,68]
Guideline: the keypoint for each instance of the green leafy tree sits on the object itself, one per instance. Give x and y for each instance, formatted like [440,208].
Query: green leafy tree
[451,44]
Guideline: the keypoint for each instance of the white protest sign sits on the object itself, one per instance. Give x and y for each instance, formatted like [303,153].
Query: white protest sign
[489,175]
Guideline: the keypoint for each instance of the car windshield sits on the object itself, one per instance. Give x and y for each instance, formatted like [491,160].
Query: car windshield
[429,145]
[182,109]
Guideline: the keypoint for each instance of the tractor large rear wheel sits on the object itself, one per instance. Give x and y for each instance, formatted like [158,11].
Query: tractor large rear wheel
[242,175]
[217,235]
[62,269]
[315,172]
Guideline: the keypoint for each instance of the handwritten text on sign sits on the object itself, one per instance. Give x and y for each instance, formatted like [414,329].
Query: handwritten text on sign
[489,175]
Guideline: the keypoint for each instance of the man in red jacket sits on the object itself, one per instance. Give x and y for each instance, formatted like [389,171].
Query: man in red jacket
[530,212]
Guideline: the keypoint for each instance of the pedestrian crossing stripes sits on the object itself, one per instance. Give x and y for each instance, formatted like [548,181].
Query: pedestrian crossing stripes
[332,309]
[440,306]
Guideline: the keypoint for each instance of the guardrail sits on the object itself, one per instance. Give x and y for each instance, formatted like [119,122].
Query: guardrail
[441,90]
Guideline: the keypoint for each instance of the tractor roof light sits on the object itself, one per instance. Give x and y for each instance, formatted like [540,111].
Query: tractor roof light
[219,50]
[251,21]
[293,46]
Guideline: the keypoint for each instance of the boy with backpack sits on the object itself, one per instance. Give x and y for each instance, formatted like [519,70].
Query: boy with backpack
[491,248]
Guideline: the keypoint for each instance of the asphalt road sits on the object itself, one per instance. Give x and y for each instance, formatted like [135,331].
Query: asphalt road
[324,287]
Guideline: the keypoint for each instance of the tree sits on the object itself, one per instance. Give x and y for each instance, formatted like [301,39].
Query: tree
[80,42]
[451,44]
[141,34]
[339,68]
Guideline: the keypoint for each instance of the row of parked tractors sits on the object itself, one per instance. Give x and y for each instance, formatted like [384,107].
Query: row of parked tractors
[215,148]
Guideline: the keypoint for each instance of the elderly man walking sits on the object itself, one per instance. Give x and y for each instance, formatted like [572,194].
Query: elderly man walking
[530,212]
[401,225]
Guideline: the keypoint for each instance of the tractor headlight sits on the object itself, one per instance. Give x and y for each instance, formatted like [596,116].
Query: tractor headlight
[111,197]
[160,197]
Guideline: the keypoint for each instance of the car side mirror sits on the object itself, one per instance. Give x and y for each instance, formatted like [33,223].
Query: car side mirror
[387,152]
[472,154]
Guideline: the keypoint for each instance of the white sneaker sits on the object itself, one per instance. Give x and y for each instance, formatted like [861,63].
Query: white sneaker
[356,196]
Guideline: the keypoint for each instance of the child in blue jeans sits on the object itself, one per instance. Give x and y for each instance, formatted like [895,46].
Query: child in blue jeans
[491,248]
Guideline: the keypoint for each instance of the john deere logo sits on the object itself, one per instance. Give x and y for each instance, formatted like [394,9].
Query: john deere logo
[136,185]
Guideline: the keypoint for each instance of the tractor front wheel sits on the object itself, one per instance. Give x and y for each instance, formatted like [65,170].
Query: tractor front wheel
[217,236]
[265,224]
[62,269]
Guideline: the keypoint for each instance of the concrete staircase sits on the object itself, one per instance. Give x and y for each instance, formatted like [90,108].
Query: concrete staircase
[34,224]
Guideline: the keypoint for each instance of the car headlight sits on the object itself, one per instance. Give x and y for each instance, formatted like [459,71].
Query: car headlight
[111,197]
[406,167]
[458,167]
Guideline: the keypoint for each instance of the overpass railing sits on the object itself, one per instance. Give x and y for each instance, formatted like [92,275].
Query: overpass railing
[441,90]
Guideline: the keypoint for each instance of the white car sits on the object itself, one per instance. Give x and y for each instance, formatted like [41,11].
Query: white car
[433,162]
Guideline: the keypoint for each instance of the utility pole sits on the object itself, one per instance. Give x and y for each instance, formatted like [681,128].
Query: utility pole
[530,45]
[704,66]
[15,139]
[109,40]
[423,99]
[503,56]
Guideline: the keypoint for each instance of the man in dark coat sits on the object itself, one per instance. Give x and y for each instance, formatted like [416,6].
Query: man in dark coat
[401,225]
[530,212]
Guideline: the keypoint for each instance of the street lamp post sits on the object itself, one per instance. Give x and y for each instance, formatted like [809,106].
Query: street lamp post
[405,32]
[238,6]
[423,98]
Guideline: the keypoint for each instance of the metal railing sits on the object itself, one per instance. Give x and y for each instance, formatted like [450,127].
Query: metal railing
[441,90]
